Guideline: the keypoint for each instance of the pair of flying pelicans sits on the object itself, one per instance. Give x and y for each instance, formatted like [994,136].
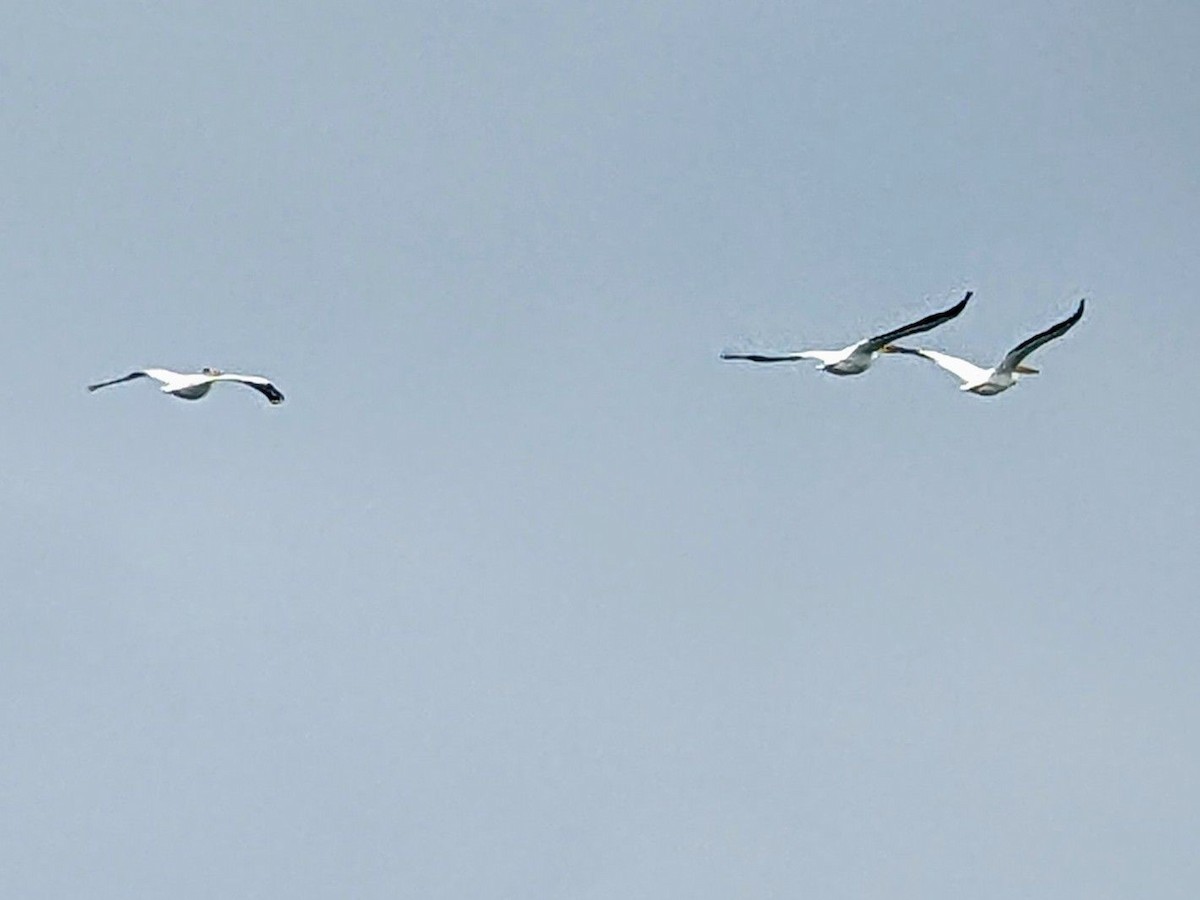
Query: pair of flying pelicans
[857,358]
[852,360]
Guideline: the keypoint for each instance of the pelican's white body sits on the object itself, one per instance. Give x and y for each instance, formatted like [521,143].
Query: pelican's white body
[184,385]
[852,360]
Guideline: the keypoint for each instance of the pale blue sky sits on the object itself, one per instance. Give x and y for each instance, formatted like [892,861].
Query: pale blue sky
[524,593]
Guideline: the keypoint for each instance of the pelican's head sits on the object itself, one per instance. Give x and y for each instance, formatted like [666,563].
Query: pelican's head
[209,370]
[1026,370]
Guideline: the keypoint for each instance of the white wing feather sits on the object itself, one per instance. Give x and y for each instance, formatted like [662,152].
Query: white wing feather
[260,384]
[967,372]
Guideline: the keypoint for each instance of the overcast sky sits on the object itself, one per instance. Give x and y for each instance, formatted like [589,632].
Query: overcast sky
[523,592]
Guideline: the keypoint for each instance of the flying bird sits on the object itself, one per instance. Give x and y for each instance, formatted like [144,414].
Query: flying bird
[987,382]
[193,386]
[857,358]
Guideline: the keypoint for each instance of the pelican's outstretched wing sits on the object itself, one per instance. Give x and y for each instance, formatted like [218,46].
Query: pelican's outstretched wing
[260,384]
[783,357]
[129,377]
[163,376]
[1014,356]
[932,321]
[967,372]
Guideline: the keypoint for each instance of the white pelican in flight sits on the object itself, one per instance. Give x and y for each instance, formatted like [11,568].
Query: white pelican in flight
[987,382]
[857,358]
[193,386]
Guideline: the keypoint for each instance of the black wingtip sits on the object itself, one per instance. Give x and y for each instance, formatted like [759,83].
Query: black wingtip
[1074,317]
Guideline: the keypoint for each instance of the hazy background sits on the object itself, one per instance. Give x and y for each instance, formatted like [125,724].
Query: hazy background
[523,592]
